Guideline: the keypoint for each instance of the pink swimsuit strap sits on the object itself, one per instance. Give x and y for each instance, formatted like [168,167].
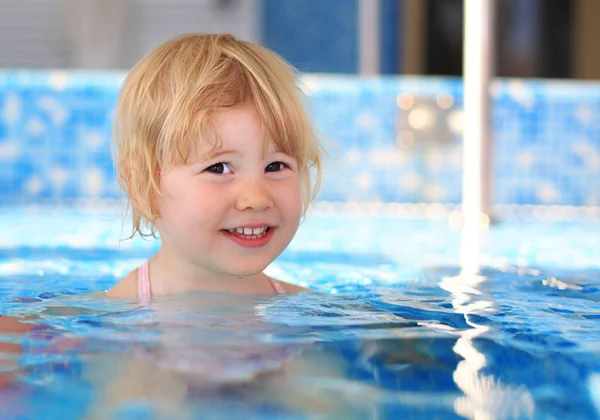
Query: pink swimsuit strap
[145,292]
[278,287]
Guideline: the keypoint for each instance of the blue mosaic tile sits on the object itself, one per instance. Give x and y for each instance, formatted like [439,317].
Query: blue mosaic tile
[393,139]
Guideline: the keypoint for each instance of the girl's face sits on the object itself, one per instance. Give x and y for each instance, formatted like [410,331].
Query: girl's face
[231,210]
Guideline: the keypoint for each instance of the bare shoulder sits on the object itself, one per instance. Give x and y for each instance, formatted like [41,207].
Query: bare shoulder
[126,289]
[292,288]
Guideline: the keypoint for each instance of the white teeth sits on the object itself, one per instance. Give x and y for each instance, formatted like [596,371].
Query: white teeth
[252,233]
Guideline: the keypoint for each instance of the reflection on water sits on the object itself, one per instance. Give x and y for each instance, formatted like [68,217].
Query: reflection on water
[485,397]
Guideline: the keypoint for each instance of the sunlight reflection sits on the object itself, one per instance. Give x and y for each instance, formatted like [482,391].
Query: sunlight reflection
[484,396]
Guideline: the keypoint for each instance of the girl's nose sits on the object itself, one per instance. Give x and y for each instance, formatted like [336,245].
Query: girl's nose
[254,195]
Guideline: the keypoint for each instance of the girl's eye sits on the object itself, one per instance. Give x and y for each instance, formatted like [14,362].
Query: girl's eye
[275,167]
[219,168]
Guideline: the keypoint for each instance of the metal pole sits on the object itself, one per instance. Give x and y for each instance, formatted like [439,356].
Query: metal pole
[478,61]
[369,38]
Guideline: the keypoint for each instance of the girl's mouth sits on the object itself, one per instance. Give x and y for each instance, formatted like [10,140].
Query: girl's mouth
[250,237]
[248,232]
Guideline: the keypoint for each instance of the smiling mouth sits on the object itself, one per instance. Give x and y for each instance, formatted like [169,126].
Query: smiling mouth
[249,233]
[250,237]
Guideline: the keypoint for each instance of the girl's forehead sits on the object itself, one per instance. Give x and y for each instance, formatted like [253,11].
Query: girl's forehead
[238,128]
[244,113]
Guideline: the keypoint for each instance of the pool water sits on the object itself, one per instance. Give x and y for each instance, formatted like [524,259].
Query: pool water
[395,330]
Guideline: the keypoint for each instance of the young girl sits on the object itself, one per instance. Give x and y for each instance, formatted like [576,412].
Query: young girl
[215,153]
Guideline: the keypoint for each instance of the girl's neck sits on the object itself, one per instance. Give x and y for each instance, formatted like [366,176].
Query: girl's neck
[170,274]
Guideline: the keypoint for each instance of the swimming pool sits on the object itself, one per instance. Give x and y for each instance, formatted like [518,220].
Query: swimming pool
[397,330]
[414,337]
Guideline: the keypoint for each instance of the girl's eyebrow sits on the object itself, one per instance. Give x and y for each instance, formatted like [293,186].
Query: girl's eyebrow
[215,153]
[202,158]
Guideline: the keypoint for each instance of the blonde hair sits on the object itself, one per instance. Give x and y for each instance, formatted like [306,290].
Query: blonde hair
[170,94]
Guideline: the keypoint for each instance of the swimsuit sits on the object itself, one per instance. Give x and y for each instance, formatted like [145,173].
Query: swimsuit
[145,292]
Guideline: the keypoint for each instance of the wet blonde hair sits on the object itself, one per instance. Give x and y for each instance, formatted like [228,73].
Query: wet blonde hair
[168,99]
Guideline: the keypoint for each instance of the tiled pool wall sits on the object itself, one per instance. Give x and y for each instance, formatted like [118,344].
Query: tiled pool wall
[398,139]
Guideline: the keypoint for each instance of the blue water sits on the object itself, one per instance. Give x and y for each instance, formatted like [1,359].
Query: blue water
[394,330]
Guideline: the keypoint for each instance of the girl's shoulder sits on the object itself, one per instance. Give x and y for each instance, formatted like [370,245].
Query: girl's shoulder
[126,289]
[292,288]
